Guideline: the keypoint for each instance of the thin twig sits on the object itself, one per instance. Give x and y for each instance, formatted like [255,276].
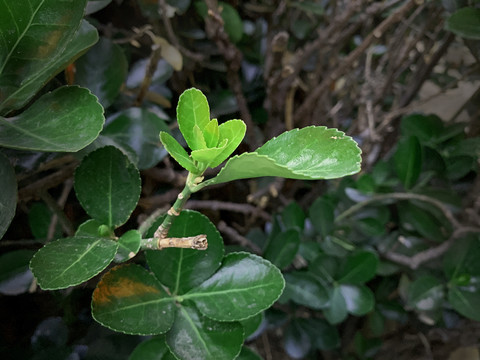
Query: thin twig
[235,236]
[228,206]
[57,210]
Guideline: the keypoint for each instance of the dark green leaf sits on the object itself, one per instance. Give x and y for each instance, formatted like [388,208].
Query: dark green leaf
[128,246]
[194,336]
[359,299]
[252,324]
[35,34]
[138,128]
[107,185]
[103,70]
[151,349]
[426,293]
[183,269]
[283,248]
[309,7]
[465,22]
[313,152]
[359,268]
[293,217]
[459,166]
[248,354]
[8,195]
[325,268]
[71,261]
[427,128]
[244,285]
[304,289]
[90,228]
[297,341]
[323,335]
[15,275]
[131,300]
[463,258]
[66,119]
[465,301]
[96,5]
[336,311]
[408,161]
[39,220]
[414,218]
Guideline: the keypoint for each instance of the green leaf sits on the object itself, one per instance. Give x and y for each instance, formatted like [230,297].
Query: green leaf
[66,119]
[244,285]
[248,354]
[426,293]
[131,300]
[211,133]
[107,185]
[39,220]
[183,269]
[309,7]
[15,275]
[192,110]
[408,161]
[310,153]
[297,342]
[324,336]
[103,70]
[325,268]
[177,152]
[151,349]
[71,261]
[128,246]
[252,324]
[90,228]
[465,301]
[427,128]
[8,195]
[283,248]
[232,20]
[293,217]
[336,311]
[321,214]
[194,336]
[198,140]
[462,258]
[358,299]
[359,268]
[233,131]
[304,289]
[416,218]
[207,156]
[139,129]
[35,35]
[465,22]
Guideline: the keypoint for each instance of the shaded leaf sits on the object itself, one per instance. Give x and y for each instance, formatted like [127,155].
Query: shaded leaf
[465,302]
[8,195]
[465,22]
[107,185]
[244,285]
[151,349]
[297,342]
[15,275]
[128,246]
[131,300]
[324,336]
[71,261]
[425,293]
[66,119]
[194,336]
[252,324]
[231,18]
[408,161]
[336,311]
[283,248]
[462,258]
[321,214]
[248,354]
[304,289]
[359,268]
[359,299]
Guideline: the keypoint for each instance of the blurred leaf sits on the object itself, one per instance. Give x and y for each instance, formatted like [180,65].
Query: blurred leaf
[465,302]
[309,7]
[232,21]
[414,218]
[427,128]
[359,299]
[138,128]
[151,349]
[51,332]
[336,311]
[131,300]
[66,119]
[244,285]
[96,5]
[408,161]
[325,267]
[103,70]
[183,269]
[194,336]
[283,248]
[107,185]
[313,153]
[170,53]
[138,70]
[426,293]
[323,335]
[35,35]
[15,275]
[297,342]
[71,261]
[462,258]
[39,219]
[304,289]
[465,22]
[8,195]
[128,245]
[459,166]
[359,268]
[321,214]
[252,324]
[248,354]
[293,217]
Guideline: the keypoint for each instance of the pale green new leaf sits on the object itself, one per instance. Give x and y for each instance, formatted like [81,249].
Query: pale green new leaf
[211,133]
[192,110]
[208,155]
[234,131]
[177,151]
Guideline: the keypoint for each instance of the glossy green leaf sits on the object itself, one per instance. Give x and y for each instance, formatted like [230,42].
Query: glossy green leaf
[211,133]
[304,289]
[35,34]
[177,152]
[208,155]
[138,128]
[103,70]
[183,269]
[107,185]
[244,285]
[194,336]
[336,311]
[463,258]
[359,268]
[128,246]
[283,248]
[425,293]
[358,299]
[90,228]
[465,301]
[248,354]
[465,22]
[198,140]
[408,161]
[233,131]
[66,119]
[309,153]
[151,349]
[252,324]
[8,195]
[321,214]
[192,110]
[129,299]
[71,261]
[15,275]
